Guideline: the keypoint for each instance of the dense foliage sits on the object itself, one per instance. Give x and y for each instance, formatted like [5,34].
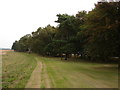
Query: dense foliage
[94,35]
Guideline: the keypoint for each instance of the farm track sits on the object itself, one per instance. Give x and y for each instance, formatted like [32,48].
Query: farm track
[46,78]
[39,77]
[35,79]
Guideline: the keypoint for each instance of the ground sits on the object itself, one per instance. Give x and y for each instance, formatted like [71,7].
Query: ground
[17,69]
[24,70]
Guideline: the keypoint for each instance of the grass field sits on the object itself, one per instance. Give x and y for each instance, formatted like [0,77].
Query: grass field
[16,69]
[64,74]
[56,73]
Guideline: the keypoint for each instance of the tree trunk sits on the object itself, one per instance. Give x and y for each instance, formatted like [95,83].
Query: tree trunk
[61,56]
[66,56]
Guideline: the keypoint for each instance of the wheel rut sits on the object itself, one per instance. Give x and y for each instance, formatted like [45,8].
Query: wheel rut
[35,78]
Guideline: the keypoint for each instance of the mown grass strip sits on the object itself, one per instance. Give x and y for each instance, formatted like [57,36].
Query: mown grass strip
[65,74]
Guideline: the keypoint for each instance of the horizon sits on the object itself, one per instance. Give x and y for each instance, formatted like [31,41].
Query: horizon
[5,49]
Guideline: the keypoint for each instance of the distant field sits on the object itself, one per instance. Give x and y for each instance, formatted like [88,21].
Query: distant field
[2,52]
[56,73]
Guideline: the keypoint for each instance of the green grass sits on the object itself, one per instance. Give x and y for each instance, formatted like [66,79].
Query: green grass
[65,74]
[56,73]
[16,69]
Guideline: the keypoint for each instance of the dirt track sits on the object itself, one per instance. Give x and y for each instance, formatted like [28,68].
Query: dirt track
[35,79]
[39,77]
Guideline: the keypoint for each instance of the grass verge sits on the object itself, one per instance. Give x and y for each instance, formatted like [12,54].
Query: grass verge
[16,69]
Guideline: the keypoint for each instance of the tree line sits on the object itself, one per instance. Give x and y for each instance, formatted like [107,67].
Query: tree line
[94,35]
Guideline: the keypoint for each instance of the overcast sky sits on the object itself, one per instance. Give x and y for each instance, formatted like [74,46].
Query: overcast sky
[21,17]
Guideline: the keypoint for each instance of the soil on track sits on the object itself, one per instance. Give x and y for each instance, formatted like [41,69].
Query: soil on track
[39,77]
[35,79]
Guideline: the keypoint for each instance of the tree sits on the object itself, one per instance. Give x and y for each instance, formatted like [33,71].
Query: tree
[23,44]
[41,38]
[14,46]
[94,35]
[102,31]
[68,26]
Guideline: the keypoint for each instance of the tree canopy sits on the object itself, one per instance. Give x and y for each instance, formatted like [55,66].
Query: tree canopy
[94,35]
